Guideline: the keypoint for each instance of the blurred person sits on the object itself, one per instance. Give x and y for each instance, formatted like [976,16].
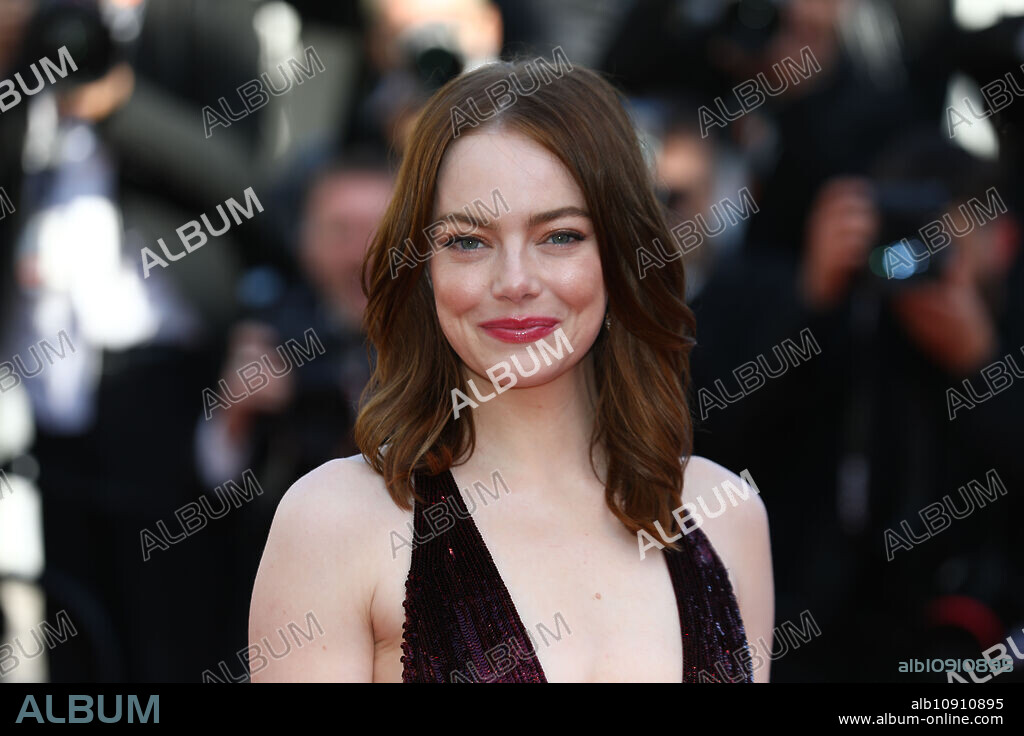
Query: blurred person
[705,47]
[14,17]
[934,332]
[291,421]
[855,100]
[110,410]
[262,89]
[412,48]
[827,87]
[583,477]
[121,162]
[695,173]
[70,286]
[172,167]
[685,166]
[881,68]
[343,207]
[870,411]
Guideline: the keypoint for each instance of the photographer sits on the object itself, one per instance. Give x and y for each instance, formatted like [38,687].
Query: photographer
[869,413]
[299,417]
[412,48]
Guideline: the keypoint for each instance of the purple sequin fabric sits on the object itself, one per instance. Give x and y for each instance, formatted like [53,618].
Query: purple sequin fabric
[461,624]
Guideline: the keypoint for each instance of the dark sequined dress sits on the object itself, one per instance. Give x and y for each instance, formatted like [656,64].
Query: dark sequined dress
[461,624]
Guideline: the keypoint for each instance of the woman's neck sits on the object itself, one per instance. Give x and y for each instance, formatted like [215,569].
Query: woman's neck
[541,429]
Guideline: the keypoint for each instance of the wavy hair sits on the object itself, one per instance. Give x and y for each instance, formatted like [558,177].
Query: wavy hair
[641,365]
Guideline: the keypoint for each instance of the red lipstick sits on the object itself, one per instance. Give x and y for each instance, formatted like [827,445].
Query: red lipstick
[525,329]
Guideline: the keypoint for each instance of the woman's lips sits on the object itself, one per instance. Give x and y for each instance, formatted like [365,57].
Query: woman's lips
[519,331]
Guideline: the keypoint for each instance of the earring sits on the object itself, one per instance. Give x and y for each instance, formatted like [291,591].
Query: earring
[608,321]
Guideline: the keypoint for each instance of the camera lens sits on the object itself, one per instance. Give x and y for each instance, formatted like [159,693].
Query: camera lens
[437,65]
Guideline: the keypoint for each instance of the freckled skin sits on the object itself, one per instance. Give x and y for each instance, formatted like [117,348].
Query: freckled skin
[511,269]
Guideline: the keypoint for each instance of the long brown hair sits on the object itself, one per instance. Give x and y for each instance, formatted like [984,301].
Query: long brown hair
[641,364]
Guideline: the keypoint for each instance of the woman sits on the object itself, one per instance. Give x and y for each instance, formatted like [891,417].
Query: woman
[518,352]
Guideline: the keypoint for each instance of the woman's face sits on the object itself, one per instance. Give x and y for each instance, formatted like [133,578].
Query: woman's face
[535,260]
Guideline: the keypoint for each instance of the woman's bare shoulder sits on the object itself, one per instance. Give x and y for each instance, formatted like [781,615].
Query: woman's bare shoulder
[343,490]
[704,476]
[341,508]
[324,557]
[727,507]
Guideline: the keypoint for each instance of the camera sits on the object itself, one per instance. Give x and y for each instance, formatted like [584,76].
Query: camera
[432,54]
[78,26]
[911,214]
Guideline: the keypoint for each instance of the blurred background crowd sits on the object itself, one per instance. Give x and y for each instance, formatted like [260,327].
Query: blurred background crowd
[99,445]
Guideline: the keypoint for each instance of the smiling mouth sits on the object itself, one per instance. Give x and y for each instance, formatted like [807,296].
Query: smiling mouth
[520,330]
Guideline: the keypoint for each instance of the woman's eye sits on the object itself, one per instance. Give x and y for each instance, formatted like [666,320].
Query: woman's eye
[466,243]
[565,237]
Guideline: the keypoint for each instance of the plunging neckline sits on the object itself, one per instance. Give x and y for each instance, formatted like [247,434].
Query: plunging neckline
[453,487]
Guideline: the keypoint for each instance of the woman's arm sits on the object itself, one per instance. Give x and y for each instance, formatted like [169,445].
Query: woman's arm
[741,541]
[755,586]
[309,620]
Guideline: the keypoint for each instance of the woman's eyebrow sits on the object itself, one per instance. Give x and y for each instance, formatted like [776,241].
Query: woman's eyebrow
[539,218]
[466,218]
